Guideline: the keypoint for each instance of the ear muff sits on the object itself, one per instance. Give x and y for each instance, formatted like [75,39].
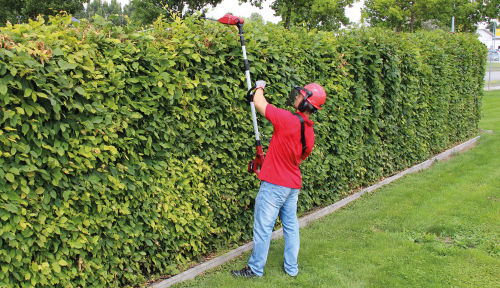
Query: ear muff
[303,105]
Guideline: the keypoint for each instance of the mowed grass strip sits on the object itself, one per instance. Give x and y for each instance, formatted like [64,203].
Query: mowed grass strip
[436,228]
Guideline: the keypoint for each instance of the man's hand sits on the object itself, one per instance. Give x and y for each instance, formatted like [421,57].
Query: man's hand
[258,99]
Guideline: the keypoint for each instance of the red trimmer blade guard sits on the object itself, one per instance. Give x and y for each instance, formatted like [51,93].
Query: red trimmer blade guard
[229,19]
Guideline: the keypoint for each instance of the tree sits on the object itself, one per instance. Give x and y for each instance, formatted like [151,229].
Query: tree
[400,15]
[128,10]
[114,8]
[146,11]
[13,14]
[320,14]
[22,10]
[104,9]
[404,15]
[326,14]
[256,17]
[490,9]
[33,8]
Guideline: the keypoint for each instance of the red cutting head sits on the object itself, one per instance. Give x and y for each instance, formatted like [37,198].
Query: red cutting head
[229,19]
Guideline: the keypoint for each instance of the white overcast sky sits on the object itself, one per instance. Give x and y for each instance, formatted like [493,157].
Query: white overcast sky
[245,10]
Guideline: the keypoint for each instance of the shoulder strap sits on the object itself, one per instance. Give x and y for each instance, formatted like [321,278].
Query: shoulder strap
[302,133]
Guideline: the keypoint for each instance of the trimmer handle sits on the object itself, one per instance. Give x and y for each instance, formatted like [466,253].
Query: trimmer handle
[255,165]
[250,94]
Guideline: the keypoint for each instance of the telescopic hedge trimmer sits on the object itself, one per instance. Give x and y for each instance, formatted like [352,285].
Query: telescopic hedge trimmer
[253,166]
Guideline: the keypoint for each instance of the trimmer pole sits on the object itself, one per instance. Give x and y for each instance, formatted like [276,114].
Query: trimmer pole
[253,166]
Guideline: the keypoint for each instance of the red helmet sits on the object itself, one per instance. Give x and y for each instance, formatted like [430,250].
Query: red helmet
[317,96]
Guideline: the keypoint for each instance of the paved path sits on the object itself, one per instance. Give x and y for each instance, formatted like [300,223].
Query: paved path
[491,79]
[495,75]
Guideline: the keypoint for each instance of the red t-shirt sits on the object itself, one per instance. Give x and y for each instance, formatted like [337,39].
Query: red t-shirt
[281,164]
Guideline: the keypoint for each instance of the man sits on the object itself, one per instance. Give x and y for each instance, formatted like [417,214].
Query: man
[292,142]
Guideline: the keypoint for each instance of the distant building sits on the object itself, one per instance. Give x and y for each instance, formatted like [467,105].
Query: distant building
[488,39]
[491,40]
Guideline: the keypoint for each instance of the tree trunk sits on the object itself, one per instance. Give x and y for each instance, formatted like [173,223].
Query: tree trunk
[412,17]
[412,20]
[288,15]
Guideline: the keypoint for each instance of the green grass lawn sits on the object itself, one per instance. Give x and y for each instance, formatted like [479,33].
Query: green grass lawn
[436,228]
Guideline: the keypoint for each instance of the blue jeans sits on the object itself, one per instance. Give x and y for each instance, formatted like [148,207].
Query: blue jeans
[271,201]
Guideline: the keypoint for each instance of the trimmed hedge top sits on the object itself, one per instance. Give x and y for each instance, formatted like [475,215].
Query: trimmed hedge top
[123,154]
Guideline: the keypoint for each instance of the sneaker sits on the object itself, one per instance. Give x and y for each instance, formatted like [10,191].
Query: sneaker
[245,272]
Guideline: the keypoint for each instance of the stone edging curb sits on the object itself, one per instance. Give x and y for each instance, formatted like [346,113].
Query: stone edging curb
[303,221]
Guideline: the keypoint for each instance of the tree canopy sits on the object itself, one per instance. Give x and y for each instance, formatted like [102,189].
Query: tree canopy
[320,14]
[21,10]
[256,17]
[105,9]
[404,15]
[142,11]
[146,11]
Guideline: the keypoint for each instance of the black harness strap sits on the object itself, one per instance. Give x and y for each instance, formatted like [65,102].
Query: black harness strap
[302,133]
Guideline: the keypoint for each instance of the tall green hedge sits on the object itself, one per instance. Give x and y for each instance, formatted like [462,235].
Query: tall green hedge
[123,154]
